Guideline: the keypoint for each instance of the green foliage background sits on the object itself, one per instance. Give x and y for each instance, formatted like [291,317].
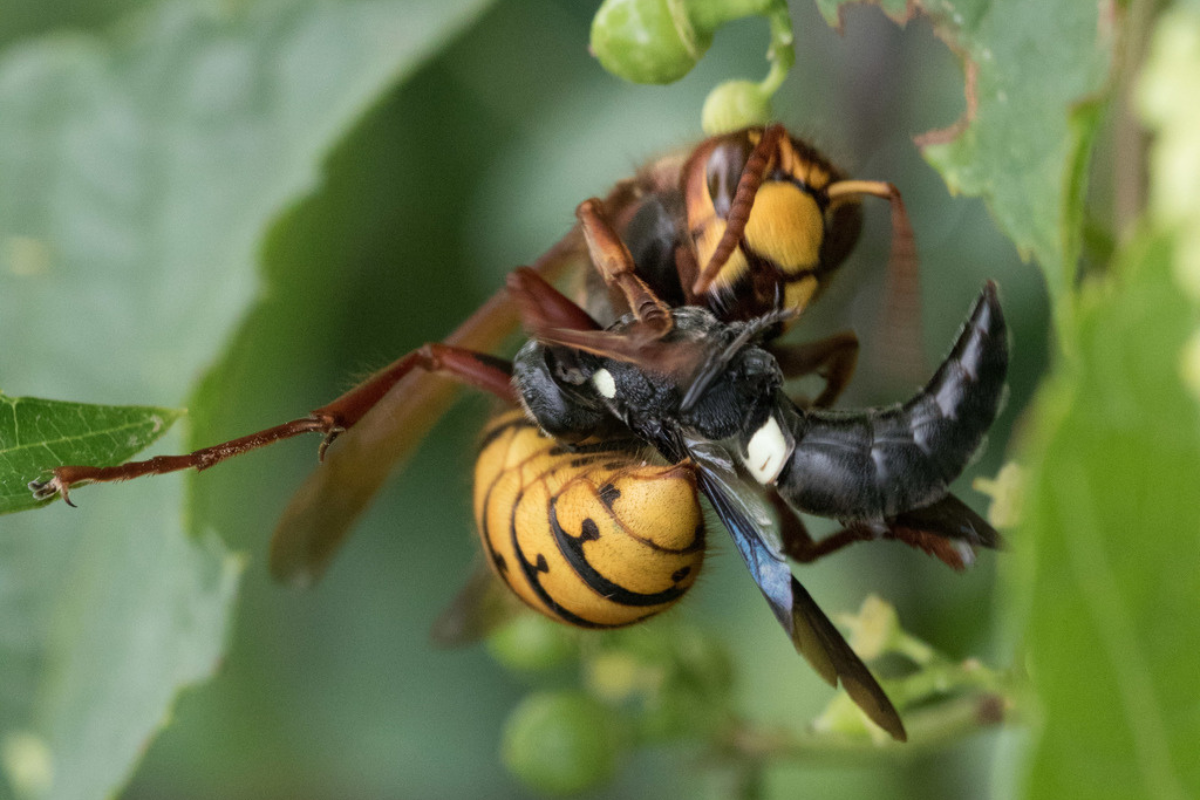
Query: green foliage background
[239,207]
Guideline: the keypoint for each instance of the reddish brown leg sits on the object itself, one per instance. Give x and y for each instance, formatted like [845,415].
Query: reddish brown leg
[743,202]
[325,507]
[480,370]
[615,264]
[798,542]
[552,318]
[475,369]
[689,272]
[832,358]
[544,308]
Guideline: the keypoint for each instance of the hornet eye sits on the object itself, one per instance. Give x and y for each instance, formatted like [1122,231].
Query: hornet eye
[724,170]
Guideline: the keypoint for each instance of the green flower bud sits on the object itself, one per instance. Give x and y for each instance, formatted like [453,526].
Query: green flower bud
[734,105]
[647,41]
[844,718]
[561,742]
[875,630]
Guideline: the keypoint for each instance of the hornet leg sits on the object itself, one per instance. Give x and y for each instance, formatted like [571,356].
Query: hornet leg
[614,262]
[832,358]
[476,369]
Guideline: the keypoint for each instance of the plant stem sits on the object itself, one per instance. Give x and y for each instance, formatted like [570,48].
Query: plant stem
[928,729]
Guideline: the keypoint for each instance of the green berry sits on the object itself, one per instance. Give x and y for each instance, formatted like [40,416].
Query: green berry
[532,643]
[647,41]
[561,742]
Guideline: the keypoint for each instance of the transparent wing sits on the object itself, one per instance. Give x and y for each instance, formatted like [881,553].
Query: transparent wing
[482,606]
[324,509]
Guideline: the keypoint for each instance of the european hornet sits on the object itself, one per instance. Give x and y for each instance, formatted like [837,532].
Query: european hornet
[663,384]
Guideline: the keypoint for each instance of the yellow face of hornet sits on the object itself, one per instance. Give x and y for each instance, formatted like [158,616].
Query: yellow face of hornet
[596,538]
[796,235]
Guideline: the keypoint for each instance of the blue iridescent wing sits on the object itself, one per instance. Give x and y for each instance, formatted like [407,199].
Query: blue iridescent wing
[744,513]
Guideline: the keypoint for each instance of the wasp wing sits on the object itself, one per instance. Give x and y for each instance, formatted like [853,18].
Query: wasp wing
[481,607]
[325,507]
[948,529]
[322,512]
[755,533]
[951,518]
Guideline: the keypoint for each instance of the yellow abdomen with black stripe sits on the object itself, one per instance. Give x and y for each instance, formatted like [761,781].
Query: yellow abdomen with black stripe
[596,536]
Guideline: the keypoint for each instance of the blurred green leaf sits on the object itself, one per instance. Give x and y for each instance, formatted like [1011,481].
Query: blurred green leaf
[138,174]
[1109,545]
[21,18]
[38,434]
[1034,72]
[1109,548]
[1166,89]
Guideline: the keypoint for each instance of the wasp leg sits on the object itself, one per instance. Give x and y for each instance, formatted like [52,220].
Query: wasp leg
[552,318]
[799,544]
[482,371]
[948,530]
[323,510]
[739,209]
[63,478]
[832,358]
[614,262]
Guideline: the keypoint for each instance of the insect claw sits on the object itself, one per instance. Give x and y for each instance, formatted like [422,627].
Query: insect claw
[47,489]
[334,433]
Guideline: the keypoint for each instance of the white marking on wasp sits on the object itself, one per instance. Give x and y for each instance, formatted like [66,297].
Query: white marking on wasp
[767,452]
[602,379]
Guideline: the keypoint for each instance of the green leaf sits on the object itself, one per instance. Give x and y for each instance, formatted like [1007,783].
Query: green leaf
[38,434]
[1033,72]
[22,18]
[1109,544]
[1109,548]
[139,171]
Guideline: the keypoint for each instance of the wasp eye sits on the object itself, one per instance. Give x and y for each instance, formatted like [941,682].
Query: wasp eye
[758,366]
[724,170]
